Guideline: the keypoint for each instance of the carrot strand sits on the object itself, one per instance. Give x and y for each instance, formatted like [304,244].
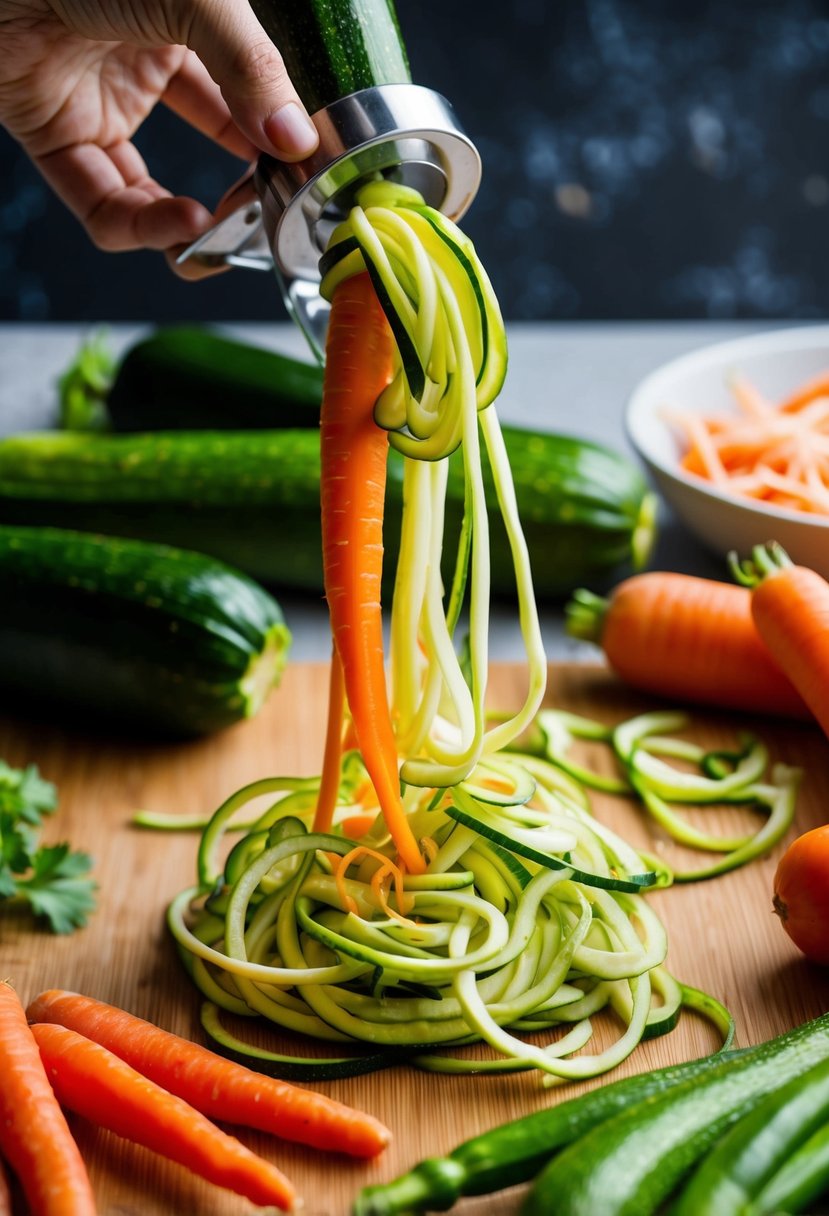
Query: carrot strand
[94,1083]
[219,1088]
[34,1136]
[768,452]
[354,450]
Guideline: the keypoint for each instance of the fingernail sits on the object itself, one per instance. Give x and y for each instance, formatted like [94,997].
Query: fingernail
[291,131]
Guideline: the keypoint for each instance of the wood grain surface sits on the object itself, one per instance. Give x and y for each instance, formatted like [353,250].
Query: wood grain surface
[723,935]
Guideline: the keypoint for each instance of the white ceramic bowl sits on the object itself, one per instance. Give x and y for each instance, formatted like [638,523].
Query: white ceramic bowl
[776,363]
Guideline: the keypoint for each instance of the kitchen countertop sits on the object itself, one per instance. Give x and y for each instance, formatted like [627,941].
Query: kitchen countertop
[566,377]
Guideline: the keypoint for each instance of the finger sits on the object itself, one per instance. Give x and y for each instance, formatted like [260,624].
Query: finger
[119,204]
[251,75]
[195,97]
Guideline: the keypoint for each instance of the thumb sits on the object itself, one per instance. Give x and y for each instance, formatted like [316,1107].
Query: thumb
[249,70]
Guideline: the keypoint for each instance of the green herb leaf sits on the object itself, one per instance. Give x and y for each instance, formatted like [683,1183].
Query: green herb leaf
[58,888]
[24,794]
[18,841]
[51,878]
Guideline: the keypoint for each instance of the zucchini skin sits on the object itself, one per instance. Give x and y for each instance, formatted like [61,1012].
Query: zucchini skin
[515,1152]
[333,48]
[187,377]
[252,498]
[630,1164]
[134,634]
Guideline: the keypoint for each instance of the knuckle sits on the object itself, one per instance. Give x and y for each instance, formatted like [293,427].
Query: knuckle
[259,67]
[105,236]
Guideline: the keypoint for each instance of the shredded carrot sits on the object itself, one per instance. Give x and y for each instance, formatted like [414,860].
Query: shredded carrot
[34,1136]
[817,386]
[498,785]
[356,826]
[386,868]
[358,366]
[773,453]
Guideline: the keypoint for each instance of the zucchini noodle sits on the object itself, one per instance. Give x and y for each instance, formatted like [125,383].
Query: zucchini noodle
[531,916]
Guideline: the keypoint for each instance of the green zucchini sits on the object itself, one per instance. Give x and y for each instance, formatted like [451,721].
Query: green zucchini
[335,47]
[631,1163]
[252,498]
[132,633]
[747,1157]
[189,378]
[515,1152]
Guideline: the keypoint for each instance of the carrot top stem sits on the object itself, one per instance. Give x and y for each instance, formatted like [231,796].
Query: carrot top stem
[765,560]
[585,615]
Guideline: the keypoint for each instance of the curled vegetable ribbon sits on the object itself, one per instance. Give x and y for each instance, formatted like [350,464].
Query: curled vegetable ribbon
[450,364]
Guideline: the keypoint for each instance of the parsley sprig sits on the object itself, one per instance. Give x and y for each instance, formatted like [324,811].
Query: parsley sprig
[52,879]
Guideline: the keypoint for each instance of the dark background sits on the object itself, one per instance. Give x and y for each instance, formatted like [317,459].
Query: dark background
[641,160]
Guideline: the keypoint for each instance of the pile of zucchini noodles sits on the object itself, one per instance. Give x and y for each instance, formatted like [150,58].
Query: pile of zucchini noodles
[530,916]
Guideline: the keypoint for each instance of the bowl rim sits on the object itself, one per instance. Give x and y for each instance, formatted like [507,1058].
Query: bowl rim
[798,337]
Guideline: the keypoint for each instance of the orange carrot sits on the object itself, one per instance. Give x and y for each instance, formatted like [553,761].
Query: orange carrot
[358,366]
[686,638]
[775,454]
[94,1083]
[790,609]
[5,1192]
[34,1135]
[217,1087]
[818,386]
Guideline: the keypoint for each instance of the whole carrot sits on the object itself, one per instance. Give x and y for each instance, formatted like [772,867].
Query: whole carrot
[217,1087]
[94,1083]
[353,453]
[686,638]
[34,1136]
[790,610]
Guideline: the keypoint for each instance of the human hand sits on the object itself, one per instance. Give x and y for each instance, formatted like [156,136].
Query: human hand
[77,78]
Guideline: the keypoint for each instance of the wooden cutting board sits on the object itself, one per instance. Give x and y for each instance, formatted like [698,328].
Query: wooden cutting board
[723,935]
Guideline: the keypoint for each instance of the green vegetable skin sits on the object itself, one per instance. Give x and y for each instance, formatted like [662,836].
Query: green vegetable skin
[252,498]
[733,1173]
[187,377]
[516,1151]
[801,1179]
[134,632]
[629,1164]
[335,47]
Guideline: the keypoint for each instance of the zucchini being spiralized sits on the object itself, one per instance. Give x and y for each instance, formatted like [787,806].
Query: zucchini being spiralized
[530,916]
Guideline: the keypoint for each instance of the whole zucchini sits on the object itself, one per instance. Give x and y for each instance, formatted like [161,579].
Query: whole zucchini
[253,498]
[186,377]
[133,633]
